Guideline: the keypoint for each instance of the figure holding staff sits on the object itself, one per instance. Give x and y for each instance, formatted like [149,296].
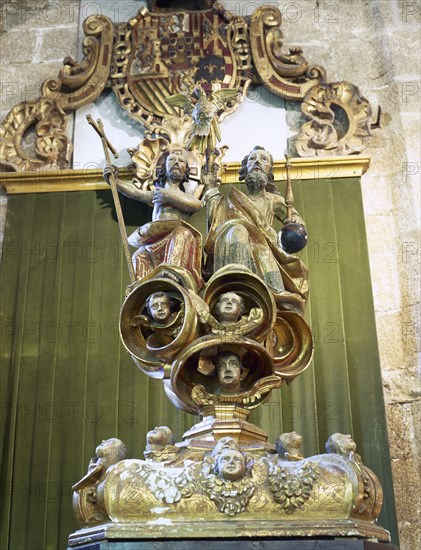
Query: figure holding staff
[99,128]
[168,238]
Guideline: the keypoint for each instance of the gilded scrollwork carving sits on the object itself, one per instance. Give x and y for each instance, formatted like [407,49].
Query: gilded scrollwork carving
[340,117]
[76,85]
[326,134]
[288,63]
[286,73]
[291,344]
[52,148]
[81,83]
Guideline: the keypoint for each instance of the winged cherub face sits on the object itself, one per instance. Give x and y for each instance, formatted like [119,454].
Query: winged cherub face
[161,435]
[110,451]
[231,464]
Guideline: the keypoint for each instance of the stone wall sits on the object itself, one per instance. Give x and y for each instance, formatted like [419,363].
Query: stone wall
[375,45]
[35,36]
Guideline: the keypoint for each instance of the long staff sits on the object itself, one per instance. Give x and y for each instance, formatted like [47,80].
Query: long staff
[99,129]
[289,197]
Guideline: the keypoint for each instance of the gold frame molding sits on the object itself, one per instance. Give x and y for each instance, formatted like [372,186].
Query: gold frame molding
[51,181]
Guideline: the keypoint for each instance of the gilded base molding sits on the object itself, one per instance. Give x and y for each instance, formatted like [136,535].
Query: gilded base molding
[229,529]
[227,488]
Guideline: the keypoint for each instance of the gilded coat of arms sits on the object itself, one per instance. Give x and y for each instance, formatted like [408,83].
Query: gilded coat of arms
[161,54]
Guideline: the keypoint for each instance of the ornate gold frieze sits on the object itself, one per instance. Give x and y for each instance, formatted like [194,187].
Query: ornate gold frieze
[311,496]
[173,51]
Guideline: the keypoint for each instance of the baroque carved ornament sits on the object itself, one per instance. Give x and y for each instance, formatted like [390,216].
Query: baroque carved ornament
[169,51]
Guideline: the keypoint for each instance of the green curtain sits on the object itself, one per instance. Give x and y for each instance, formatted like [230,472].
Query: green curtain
[67,382]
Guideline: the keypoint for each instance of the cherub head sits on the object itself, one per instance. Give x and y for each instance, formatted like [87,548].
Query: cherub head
[110,451]
[158,438]
[230,464]
[289,444]
[229,307]
[160,307]
[228,369]
[340,444]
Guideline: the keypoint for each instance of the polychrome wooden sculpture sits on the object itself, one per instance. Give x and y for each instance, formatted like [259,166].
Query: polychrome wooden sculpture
[218,316]
[221,341]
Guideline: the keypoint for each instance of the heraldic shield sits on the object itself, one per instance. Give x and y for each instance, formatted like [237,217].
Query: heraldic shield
[157,55]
